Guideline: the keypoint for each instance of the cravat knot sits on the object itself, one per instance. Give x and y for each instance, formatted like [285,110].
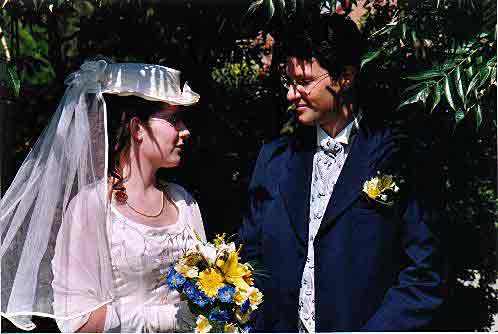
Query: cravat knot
[331,147]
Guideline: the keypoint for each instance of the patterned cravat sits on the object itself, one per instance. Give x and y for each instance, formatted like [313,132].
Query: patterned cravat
[331,147]
[327,165]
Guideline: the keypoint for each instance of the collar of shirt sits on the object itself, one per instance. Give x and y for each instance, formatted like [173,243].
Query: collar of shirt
[342,137]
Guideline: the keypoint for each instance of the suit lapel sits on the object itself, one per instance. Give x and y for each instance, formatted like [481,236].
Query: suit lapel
[295,185]
[349,185]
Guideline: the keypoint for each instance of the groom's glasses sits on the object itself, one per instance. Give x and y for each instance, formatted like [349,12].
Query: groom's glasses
[307,84]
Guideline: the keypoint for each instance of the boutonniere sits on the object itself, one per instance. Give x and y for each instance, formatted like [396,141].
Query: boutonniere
[382,188]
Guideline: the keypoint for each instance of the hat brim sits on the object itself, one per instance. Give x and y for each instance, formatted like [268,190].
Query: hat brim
[182,100]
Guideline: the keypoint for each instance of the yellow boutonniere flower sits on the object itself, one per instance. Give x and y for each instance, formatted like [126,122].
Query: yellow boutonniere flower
[381,189]
[203,325]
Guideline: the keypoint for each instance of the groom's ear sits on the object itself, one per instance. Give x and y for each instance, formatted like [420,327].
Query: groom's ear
[348,77]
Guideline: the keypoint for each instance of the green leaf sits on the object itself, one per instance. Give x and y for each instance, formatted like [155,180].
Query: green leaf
[13,80]
[479,78]
[478,112]
[333,6]
[459,85]
[370,56]
[437,96]
[420,96]
[459,115]
[447,92]
[429,74]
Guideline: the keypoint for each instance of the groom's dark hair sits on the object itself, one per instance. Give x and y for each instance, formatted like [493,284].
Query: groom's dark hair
[334,40]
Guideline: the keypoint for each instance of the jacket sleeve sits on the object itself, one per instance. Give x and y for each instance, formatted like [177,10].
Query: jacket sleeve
[250,234]
[410,304]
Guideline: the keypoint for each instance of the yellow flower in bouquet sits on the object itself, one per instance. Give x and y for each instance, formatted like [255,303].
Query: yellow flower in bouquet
[230,328]
[203,325]
[187,271]
[234,272]
[242,317]
[255,297]
[240,296]
[210,281]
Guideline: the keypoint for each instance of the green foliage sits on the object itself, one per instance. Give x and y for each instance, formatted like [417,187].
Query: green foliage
[447,66]
[9,78]
[236,75]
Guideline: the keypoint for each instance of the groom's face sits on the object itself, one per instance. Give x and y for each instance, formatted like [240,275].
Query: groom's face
[311,90]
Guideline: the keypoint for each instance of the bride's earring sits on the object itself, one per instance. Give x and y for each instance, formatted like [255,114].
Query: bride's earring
[120,193]
[121,196]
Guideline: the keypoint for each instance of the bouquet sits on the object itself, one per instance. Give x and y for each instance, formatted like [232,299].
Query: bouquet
[219,289]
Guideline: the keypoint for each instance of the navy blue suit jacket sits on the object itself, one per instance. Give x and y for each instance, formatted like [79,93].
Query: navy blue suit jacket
[377,268]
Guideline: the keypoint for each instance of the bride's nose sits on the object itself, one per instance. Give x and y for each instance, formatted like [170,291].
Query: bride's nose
[183,132]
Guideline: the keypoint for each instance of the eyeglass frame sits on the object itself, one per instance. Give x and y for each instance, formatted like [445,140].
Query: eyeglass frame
[287,82]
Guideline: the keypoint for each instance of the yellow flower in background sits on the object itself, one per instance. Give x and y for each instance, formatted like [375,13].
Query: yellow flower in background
[234,272]
[203,325]
[230,328]
[210,281]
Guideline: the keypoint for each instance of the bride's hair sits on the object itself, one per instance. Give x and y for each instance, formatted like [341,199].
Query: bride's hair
[120,111]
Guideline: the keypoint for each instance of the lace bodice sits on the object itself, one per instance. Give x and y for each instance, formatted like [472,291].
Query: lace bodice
[139,299]
[138,253]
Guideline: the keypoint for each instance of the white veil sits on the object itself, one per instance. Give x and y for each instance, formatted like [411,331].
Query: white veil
[57,205]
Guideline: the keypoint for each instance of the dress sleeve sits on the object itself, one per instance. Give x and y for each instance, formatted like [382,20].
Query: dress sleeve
[193,212]
[81,264]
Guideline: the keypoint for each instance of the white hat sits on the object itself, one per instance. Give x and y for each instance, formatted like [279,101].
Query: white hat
[151,82]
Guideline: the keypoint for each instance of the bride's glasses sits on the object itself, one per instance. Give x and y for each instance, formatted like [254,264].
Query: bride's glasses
[307,84]
[173,119]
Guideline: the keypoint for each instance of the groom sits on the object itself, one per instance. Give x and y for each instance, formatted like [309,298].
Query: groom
[340,259]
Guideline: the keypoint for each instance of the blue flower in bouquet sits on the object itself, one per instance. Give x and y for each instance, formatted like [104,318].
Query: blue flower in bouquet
[201,299]
[225,294]
[220,315]
[190,290]
[246,328]
[245,306]
[174,279]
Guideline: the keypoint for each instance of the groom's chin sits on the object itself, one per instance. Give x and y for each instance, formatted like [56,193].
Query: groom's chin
[306,120]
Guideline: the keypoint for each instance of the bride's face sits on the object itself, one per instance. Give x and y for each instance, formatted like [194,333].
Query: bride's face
[163,137]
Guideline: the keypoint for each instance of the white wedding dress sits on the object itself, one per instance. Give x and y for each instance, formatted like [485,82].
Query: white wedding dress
[141,300]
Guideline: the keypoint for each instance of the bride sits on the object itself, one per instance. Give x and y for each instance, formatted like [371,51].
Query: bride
[87,213]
